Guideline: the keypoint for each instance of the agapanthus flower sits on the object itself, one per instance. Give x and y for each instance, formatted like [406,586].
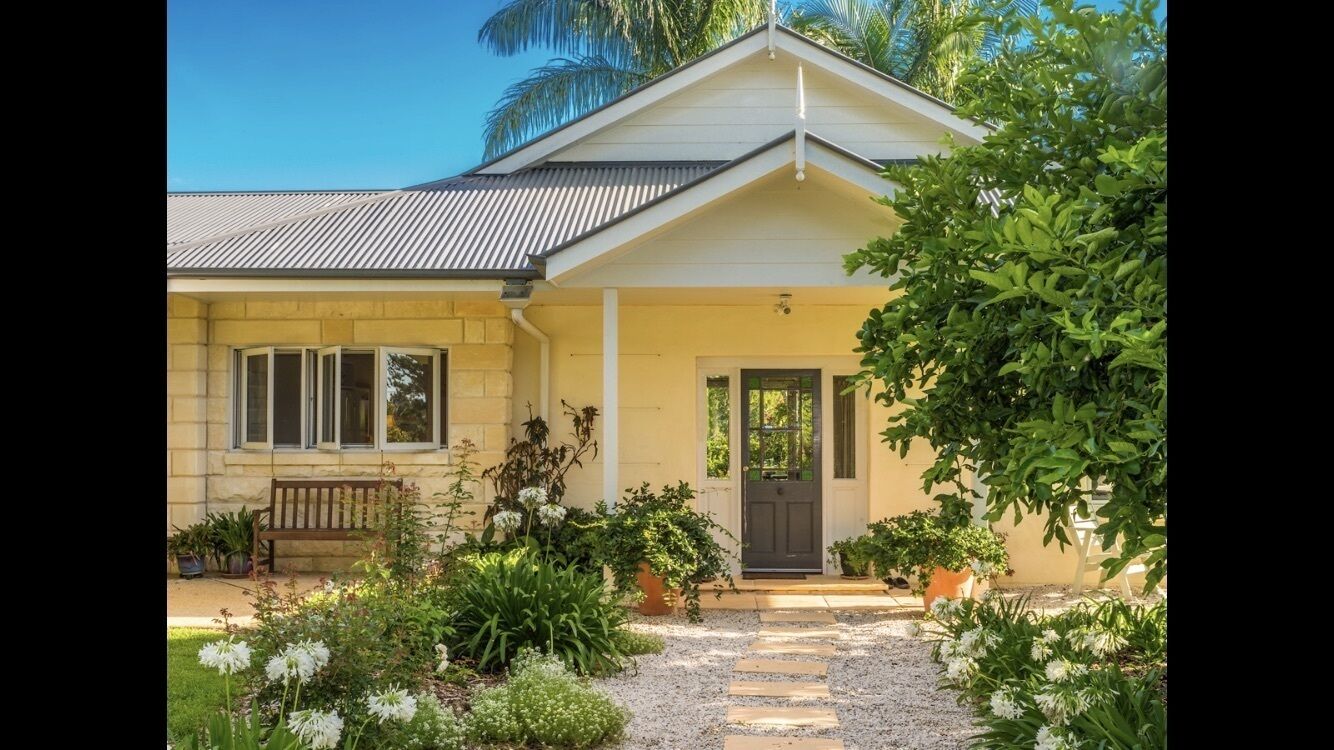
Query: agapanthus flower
[228,657]
[319,729]
[1060,670]
[293,663]
[1050,738]
[1050,636]
[317,650]
[1040,650]
[959,670]
[507,520]
[1096,641]
[981,568]
[442,651]
[952,649]
[393,703]
[531,497]
[551,514]
[1005,705]
[943,607]
[1059,705]
[975,642]
[914,629]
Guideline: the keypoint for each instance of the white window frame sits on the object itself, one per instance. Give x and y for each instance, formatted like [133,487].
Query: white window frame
[320,354]
[242,359]
[382,375]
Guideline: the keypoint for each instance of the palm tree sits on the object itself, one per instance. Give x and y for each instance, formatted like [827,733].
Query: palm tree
[606,48]
[925,43]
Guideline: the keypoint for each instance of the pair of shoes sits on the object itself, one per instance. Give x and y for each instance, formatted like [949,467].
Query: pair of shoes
[900,583]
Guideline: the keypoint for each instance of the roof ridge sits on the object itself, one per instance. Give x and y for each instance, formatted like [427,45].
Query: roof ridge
[372,198]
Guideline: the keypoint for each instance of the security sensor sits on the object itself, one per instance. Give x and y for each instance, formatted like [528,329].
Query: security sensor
[783,307]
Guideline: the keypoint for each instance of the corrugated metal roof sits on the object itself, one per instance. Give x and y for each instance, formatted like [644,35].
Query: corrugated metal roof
[198,216]
[464,224]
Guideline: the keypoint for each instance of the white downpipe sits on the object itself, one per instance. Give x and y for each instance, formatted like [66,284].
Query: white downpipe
[801,126]
[611,351]
[773,20]
[544,341]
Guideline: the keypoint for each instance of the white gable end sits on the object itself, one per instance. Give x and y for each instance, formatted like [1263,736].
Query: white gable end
[749,104]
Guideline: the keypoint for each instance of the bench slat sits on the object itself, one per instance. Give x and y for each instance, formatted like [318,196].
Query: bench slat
[296,493]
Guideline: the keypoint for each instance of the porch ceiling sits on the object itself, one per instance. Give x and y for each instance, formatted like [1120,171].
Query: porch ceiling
[545,294]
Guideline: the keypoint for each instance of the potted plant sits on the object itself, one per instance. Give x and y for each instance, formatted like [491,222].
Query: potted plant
[657,544]
[190,545]
[852,555]
[944,556]
[233,541]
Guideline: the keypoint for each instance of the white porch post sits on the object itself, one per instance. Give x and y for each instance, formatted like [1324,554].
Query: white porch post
[610,397]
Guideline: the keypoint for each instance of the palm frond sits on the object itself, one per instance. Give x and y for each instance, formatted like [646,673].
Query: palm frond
[565,26]
[551,95]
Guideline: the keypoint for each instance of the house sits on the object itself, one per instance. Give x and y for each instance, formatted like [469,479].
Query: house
[673,258]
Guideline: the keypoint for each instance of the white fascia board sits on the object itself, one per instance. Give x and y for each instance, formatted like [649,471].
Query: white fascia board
[652,94]
[609,244]
[182,285]
[815,55]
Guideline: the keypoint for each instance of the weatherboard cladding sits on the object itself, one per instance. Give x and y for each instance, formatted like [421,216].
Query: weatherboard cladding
[467,223]
[198,216]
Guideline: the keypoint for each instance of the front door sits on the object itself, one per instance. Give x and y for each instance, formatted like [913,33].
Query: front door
[780,470]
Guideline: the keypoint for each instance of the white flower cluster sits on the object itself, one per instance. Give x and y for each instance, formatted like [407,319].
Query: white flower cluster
[319,729]
[507,520]
[1060,705]
[531,497]
[1096,641]
[393,703]
[914,629]
[960,670]
[299,661]
[982,569]
[228,657]
[944,608]
[1005,703]
[551,515]
[977,641]
[1042,645]
[1062,670]
[1049,738]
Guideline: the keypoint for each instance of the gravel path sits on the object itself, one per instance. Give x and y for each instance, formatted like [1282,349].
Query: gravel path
[883,685]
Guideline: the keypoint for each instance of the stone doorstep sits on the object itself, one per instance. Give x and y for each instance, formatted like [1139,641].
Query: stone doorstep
[779,689]
[808,649]
[779,666]
[799,632]
[782,716]
[821,617]
[740,742]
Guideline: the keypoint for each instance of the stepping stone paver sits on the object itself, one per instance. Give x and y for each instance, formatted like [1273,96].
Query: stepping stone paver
[819,616]
[808,649]
[782,716]
[791,601]
[782,666]
[769,689]
[739,742]
[799,632]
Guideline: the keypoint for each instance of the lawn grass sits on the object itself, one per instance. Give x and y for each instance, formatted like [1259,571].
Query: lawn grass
[193,691]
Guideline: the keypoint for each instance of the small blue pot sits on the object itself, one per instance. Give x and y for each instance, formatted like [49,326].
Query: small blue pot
[191,566]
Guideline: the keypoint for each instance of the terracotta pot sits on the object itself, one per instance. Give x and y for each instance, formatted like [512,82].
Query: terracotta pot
[949,584]
[654,588]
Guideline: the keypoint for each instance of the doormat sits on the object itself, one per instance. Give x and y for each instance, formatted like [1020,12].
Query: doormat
[749,576]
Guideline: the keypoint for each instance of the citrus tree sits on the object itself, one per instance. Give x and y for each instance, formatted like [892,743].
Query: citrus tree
[1035,323]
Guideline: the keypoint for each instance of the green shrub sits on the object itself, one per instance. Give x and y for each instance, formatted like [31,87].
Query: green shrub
[512,600]
[1093,675]
[433,727]
[919,542]
[544,703]
[634,643]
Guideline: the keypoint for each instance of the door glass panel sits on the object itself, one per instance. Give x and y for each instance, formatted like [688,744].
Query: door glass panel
[358,387]
[717,451]
[845,430]
[327,364]
[287,399]
[409,414]
[257,398]
[781,428]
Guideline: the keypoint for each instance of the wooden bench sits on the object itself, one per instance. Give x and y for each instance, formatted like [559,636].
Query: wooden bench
[317,510]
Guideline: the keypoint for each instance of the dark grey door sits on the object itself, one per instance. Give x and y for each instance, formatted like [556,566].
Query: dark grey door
[780,470]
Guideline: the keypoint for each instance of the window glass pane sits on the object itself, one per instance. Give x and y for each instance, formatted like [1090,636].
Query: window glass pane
[845,430]
[287,399]
[409,398]
[443,398]
[257,398]
[355,401]
[717,450]
[328,373]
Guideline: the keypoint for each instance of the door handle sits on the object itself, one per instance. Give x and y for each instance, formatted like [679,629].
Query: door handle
[745,468]
[780,490]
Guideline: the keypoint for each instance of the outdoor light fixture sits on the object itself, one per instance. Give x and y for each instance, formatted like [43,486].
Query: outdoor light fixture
[783,307]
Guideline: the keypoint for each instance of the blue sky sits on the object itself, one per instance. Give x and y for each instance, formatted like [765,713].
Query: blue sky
[330,94]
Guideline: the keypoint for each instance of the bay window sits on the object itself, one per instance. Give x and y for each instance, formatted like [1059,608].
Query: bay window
[339,398]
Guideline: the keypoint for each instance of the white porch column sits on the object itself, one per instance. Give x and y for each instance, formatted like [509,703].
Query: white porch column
[611,351]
